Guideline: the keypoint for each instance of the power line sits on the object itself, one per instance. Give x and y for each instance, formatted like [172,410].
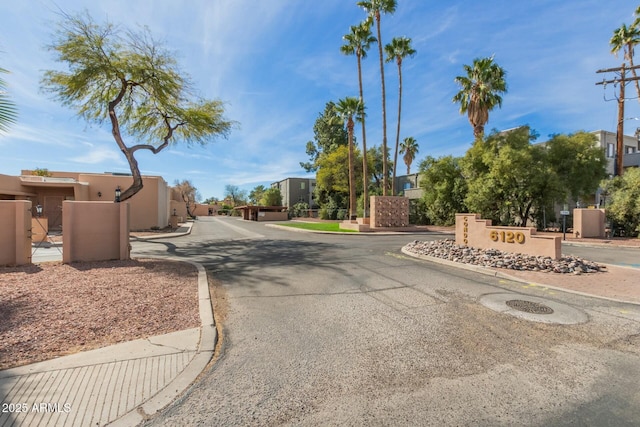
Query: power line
[620,128]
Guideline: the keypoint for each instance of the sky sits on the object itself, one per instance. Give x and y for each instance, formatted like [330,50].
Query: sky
[276,63]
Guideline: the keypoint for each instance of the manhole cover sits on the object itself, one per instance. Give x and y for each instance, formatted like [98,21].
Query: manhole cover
[529,306]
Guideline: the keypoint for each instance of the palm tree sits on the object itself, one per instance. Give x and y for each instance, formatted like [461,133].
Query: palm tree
[409,148]
[358,42]
[480,93]
[375,8]
[398,49]
[347,108]
[625,39]
[8,112]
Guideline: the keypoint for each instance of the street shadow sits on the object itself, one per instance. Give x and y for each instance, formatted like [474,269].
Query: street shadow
[27,269]
[252,262]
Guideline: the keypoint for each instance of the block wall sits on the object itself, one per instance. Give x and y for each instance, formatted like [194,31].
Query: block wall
[389,212]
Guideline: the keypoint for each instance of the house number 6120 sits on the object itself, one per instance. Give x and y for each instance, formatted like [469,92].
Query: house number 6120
[507,236]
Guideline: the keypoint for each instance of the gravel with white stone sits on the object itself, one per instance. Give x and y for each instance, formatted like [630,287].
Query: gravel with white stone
[449,250]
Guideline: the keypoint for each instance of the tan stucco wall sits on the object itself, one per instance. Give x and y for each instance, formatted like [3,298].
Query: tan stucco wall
[95,231]
[11,186]
[589,222]
[273,216]
[478,233]
[15,233]
[203,210]
[39,229]
[149,207]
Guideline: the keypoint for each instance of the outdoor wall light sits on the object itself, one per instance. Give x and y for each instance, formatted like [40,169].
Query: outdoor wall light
[39,209]
[118,194]
[174,212]
[99,193]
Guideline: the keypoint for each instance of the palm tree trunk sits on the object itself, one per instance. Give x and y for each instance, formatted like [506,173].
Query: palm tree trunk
[385,166]
[635,76]
[365,171]
[395,155]
[352,183]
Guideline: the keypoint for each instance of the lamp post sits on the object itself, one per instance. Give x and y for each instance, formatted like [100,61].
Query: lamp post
[39,209]
[118,194]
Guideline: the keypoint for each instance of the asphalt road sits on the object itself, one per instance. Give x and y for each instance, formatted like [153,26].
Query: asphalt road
[324,329]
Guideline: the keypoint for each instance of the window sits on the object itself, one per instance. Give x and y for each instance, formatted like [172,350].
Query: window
[407,185]
[610,150]
[302,185]
[630,150]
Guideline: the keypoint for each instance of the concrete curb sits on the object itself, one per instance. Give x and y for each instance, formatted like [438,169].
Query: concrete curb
[188,224]
[206,346]
[491,272]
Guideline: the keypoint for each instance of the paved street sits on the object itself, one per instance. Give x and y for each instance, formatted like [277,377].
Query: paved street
[322,329]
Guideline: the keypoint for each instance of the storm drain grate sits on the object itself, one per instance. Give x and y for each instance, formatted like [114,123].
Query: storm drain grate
[529,306]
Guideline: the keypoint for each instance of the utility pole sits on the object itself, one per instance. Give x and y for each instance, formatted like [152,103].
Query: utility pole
[618,170]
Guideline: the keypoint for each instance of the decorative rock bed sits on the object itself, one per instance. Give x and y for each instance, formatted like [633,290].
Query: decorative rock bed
[449,250]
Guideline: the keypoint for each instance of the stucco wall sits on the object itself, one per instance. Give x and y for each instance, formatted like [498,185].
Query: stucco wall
[15,233]
[95,231]
[589,222]
[145,205]
[273,216]
[479,233]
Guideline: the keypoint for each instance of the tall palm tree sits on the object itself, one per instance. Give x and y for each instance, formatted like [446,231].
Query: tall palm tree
[625,39]
[409,147]
[358,42]
[480,92]
[398,49]
[375,8]
[347,108]
[8,112]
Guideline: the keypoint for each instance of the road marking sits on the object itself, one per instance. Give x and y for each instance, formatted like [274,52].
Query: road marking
[240,230]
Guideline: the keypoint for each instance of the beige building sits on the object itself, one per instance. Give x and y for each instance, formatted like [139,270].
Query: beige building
[150,207]
[608,140]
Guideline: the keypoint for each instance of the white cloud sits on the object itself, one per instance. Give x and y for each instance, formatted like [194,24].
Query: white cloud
[100,155]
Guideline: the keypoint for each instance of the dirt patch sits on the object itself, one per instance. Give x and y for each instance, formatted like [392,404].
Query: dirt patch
[53,309]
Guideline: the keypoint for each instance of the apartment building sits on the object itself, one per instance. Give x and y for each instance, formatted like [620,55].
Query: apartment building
[296,190]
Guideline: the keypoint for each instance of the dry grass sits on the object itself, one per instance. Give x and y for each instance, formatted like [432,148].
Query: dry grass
[52,309]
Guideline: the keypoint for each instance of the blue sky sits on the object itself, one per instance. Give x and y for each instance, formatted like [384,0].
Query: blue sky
[276,63]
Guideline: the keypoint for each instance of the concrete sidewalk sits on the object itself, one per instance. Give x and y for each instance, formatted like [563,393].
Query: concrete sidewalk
[119,385]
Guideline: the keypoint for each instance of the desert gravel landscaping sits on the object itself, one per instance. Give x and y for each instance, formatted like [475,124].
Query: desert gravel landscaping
[53,309]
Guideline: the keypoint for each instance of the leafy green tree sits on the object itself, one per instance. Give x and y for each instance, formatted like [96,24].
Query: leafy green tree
[444,189]
[188,193]
[41,172]
[375,9]
[348,108]
[134,82]
[358,42]
[332,178]
[256,194]
[300,209]
[623,206]
[578,162]
[329,134]
[409,147]
[376,168]
[398,49]
[8,112]
[509,179]
[480,92]
[271,197]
